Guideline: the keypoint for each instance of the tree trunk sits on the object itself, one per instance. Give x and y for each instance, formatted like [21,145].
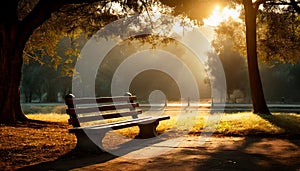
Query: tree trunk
[51,95]
[257,94]
[14,33]
[11,73]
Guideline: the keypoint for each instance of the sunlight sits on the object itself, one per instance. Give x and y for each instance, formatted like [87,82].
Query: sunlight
[219,15]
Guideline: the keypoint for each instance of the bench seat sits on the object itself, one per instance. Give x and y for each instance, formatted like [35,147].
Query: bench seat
[120,124]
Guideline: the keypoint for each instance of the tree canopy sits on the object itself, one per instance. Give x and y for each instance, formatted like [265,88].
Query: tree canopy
[21,18]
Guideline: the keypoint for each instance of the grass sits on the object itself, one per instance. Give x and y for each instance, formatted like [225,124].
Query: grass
[247,124]
[33,109]
[49,117]
[243,124]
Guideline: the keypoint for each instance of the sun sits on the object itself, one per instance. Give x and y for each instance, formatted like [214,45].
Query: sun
[219,15]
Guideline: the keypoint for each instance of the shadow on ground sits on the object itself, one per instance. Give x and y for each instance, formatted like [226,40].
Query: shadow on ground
[76,159]
[253,153]
[70,161]
[289,123]
[219,153]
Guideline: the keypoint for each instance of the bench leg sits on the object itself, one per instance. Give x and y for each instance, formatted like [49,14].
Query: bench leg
[86,143]
[147,130]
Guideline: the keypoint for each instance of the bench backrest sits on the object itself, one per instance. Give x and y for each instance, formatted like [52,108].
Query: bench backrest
[83,110]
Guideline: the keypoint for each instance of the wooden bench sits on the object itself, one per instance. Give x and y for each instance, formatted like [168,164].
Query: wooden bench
[97,111]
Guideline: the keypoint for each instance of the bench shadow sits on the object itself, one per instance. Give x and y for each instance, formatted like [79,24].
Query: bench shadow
[70,160]
[75,159]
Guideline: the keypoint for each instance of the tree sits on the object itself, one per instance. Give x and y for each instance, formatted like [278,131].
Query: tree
[251,11]
[278,43]
[250,14]
[19,20]
[49,75]
[230,47]
[258,99]
[32,81]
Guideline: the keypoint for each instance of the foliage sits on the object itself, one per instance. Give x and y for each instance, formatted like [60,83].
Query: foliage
[51,75]
[230,35]
[282,81]
[280,36]
[229,43]
[84,18]
[276,69]
[72,21]
[43,83]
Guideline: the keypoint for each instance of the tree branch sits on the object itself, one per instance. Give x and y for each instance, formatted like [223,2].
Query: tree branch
[39,14]
[258,3]
[81,1]
[270,2]
[293,3]
[296,6]
[42,12]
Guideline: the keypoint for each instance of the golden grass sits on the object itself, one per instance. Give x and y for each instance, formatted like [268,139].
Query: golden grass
[244,123]
[49,117]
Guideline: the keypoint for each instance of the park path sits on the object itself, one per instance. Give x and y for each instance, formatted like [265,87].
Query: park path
[217,153]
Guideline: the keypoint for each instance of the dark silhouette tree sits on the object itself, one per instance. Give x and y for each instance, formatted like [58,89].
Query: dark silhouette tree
[19,20]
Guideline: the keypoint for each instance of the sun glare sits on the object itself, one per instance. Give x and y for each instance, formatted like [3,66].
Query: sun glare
[219,15]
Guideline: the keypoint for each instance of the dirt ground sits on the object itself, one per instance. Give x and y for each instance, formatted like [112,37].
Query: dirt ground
[48,146]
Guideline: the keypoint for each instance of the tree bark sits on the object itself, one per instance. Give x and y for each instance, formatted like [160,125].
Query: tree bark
[258,100]
[13,36]
[11,73]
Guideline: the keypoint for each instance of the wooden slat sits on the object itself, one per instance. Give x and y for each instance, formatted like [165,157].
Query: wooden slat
[99,100]
[107,125]
[121,124]
[136,123]
[101,108]
[109,116]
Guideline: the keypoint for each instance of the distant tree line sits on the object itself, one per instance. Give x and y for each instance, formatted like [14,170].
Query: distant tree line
[43,83]
[281,80]
[48,77]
